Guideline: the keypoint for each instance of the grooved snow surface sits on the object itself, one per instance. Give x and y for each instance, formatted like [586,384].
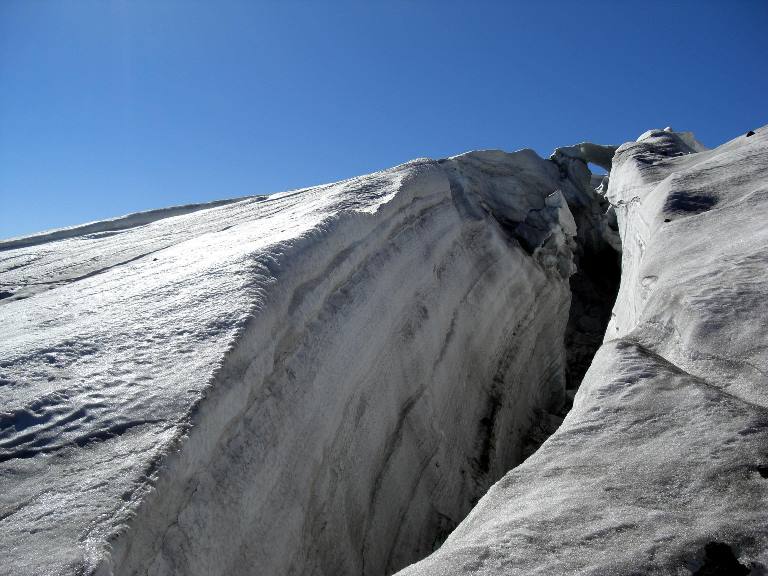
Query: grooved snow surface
[321,381]
[326,381]
[665,451]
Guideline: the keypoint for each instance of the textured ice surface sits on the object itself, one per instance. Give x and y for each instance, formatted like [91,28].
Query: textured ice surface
[662,465]
[326,381]
[322,381]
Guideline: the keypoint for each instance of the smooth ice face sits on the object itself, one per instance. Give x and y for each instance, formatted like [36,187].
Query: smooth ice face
[322,380]
[661,465]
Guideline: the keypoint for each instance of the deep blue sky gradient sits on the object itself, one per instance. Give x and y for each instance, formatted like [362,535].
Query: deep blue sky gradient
[109,107]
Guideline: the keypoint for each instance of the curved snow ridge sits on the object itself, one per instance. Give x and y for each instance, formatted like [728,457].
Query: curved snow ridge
[358,415]
[660,467]
[377,364]
[287,373]
[98,375]
[187,274]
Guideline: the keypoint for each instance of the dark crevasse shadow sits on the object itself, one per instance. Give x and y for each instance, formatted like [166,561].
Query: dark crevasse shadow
[594,287]
[593,291]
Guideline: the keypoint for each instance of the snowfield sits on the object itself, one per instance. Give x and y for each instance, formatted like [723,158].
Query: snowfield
[327,381]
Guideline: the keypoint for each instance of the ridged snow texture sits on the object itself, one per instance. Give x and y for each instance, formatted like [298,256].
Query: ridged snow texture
[661,467]
[318,382]
[325,381]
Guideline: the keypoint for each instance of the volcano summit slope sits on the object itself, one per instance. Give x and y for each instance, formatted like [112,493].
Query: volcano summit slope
[327,381]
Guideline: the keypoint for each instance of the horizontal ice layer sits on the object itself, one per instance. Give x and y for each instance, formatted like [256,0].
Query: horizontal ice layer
[323,381]
[661,465]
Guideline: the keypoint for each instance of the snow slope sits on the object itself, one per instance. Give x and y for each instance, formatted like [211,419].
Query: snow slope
[661,467]
[327,381]
[322,381]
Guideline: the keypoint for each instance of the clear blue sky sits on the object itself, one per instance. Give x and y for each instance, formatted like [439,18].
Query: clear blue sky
[109,107]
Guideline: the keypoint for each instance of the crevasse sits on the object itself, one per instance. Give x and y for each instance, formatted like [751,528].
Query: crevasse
[407,361]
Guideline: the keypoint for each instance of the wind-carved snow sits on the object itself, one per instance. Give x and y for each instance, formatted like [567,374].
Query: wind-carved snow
[326,381]
[661,465]
[322,381]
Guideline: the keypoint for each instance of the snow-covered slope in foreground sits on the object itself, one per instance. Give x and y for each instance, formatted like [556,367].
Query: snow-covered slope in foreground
[661,467]
[318,382]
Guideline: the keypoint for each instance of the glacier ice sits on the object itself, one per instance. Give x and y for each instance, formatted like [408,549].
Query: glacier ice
[324,380]
[328,380]
[660,467]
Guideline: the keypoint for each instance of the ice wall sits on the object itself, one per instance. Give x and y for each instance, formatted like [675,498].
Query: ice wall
[320,382]
[380,391]
[661,465]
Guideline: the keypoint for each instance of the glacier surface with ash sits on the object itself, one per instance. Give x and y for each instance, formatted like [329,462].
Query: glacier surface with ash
[329,380]
[321,381]
[661,466]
